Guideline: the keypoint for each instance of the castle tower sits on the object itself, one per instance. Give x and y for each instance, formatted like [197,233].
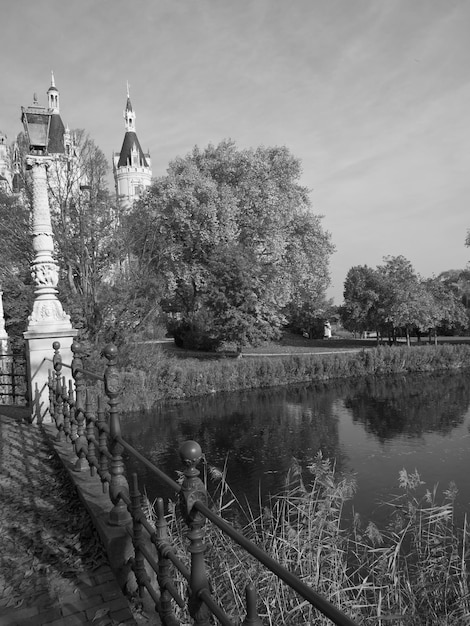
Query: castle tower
[131,167]
[5,167]
[53,96]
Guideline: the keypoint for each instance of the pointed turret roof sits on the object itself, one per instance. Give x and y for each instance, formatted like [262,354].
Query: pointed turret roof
[131,142]
[129,145]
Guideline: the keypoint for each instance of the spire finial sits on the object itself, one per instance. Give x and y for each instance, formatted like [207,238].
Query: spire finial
[52,79]
[128,86]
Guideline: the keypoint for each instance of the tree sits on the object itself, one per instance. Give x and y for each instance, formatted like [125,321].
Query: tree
[446,310]
[393,297]
[226,222]
[15,259]
[86,229]
[364,300]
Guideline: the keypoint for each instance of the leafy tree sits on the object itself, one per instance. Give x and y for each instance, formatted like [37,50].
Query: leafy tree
[447,310]
[233,237]
[393,297]
[15,259]
[365,294]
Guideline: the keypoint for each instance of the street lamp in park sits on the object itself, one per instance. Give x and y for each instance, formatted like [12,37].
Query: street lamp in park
[48,322]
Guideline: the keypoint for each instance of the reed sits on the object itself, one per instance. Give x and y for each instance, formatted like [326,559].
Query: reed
[413,572]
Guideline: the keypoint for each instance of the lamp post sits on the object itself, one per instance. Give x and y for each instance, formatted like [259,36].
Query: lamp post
[48,321]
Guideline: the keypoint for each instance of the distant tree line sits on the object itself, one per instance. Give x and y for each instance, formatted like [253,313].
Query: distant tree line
[393,300]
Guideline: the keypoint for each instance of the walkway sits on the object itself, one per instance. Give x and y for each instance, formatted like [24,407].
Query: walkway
[52,567]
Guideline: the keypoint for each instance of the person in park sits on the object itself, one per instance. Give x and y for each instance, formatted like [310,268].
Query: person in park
[327,330]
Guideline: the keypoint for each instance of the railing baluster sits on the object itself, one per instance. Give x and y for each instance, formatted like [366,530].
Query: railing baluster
[252,617]
[73,420]
[50,382]
[66,408]
[90,433]
[80,441]
[137,537]
[165,607]
[119,515]
[193,490]
[58,414]
[103,431]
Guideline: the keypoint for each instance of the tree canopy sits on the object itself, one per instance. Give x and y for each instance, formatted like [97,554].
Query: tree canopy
[15,258]
[233,237]
[393,297]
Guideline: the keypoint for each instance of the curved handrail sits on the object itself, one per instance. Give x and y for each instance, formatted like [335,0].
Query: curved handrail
[99,445]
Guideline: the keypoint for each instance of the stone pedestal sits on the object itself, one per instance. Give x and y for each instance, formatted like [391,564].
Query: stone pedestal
[39,353]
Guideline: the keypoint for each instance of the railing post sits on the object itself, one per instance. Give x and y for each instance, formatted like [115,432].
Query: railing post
[80,441]
[137,536]
[103,430]
[119,515]
[90,433]
[252,617]
[72,411]
[66,409]
[193,490]
[165,606]
[50,384]
[58,414]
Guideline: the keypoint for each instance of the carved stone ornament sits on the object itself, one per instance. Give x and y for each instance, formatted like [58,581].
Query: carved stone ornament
[37,161]
[45,274]
[46,311]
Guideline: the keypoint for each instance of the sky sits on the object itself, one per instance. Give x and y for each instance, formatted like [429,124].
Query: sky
[373,96]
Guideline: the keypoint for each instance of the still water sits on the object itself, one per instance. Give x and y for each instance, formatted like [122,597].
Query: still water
[371,428]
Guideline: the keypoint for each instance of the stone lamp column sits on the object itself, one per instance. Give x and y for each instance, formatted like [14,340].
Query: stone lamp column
[4,341]
[48,322]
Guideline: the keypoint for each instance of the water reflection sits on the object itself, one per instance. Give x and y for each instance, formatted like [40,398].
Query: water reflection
[411,405]
[372,427]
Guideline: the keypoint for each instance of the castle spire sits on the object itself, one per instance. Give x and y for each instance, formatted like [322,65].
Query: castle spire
[53,96]
[129,114]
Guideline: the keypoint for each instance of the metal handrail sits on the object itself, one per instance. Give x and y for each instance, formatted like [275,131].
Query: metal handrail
[314,598]
[99,446]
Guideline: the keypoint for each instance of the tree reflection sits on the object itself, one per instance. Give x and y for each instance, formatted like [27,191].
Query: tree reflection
[256,434]
[410,405]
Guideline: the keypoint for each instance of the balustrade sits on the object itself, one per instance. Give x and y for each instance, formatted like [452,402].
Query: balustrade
[82,419]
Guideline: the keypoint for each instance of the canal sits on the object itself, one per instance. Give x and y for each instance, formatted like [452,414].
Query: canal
[371,428]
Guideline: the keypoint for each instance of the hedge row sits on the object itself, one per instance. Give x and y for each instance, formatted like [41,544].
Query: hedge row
[153,377]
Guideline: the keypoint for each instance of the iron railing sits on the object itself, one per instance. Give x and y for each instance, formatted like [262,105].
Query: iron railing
[81,418]
[13,378]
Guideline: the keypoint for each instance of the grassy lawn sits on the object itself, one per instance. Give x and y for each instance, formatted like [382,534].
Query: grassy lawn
[291,343]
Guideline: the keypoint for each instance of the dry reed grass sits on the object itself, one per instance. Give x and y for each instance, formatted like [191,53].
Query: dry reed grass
[411,573]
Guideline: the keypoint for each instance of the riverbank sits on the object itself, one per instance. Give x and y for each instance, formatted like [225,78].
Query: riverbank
[158,373]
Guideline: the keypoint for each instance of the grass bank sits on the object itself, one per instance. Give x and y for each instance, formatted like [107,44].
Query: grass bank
[152,375]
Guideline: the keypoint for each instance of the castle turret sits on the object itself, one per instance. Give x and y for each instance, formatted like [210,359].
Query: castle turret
[5,166]
[131,166]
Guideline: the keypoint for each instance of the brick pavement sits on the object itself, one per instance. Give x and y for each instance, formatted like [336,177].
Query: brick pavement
[52,568]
